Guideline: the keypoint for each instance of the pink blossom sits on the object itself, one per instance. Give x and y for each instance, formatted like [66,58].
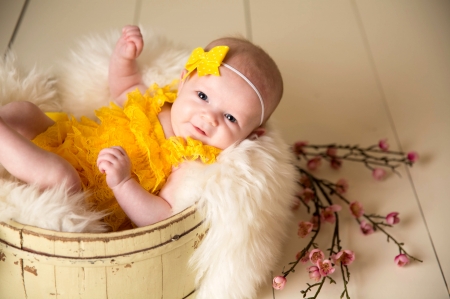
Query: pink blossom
[314,163]
[341,186]
[314,273]
[325,267]
[401,260]
[315,221]
[336,163]
[307,194]
[378,174]
[279,282]
[305,182]
[303,259]
[331,151]
[383,145]
[346,257]
[356,209]
[412,157]
[328,213]
[315,255]
[366,228]
[298,147]
[392,218]
[304,228]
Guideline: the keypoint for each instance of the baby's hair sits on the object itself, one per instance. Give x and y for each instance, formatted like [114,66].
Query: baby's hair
[252,61]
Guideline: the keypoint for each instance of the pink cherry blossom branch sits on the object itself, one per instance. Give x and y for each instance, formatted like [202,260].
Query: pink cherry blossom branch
[372,157]
[307,247]
[316,185]
[377,225]
[336,240]
[320,192]
[345,280]
[320,284]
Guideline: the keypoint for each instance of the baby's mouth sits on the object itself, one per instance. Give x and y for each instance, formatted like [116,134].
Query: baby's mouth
[200,130]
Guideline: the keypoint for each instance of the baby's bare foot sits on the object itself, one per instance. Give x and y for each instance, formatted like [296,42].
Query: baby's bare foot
[130,44]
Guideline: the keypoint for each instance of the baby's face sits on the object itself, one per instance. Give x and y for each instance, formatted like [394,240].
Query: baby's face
[217,110]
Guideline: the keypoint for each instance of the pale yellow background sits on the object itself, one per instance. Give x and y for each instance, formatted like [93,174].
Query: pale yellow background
[355,71]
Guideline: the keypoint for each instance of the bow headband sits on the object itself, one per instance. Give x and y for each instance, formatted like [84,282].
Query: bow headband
[208,63]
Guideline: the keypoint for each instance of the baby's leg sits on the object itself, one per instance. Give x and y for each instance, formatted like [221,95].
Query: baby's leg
[124,74]
[24,159]
[25,118]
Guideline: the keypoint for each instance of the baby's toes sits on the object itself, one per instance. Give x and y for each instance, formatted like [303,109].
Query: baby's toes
[138,42]
[129,51]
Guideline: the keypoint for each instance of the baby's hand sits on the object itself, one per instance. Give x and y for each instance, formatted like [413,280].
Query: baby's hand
[130,44]
[115,162]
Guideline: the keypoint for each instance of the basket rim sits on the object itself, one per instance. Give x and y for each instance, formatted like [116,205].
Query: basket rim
[106,236]
[71,248]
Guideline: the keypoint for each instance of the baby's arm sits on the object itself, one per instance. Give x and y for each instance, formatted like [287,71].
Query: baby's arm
[124,74]
[142,207]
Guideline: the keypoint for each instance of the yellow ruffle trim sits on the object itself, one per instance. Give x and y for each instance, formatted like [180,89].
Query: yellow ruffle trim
[136,128]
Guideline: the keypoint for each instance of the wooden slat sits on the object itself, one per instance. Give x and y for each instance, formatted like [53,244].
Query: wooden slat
[135,280]
[39,279]
[9,17]
[44,43]
[81,282]
[410,43]
[174,262]
[10,275]
[332,95]
[194,23]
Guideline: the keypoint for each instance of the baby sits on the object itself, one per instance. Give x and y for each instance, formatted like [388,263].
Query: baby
[224,96]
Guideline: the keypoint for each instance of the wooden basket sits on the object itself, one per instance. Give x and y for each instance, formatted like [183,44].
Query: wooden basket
[147,262]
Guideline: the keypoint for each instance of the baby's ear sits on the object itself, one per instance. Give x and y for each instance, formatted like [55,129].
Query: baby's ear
[258,132]
[183,73]
[181,83]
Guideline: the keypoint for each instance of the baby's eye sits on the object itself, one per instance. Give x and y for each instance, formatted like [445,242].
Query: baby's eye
[202,96]
[230,118]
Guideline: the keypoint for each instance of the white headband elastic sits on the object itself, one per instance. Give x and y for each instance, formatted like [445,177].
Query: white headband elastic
[251,85]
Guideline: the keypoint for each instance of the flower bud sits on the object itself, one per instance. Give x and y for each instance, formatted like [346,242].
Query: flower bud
[383,145]
[412,157]
[331,151]
[335,163]
[313,163]
[366,228]
[378,174]
[356,209]
[341,186]
[298,147]
[279,282]
[392,218]
[401,260]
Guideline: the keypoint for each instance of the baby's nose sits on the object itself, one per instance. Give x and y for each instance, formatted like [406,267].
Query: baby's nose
[211,118]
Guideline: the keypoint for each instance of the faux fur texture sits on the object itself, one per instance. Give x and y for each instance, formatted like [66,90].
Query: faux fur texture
[52,209]
[246,196]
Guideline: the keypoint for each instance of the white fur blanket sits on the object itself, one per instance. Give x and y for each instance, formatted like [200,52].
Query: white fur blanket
[246,196]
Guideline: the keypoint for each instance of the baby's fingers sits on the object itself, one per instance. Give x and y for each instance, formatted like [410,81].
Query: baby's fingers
[114,155]
[103,165]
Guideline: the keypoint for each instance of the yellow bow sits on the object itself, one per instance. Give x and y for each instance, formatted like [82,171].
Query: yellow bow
[206,63]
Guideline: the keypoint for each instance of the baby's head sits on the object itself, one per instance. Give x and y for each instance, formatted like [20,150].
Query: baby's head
[225,109]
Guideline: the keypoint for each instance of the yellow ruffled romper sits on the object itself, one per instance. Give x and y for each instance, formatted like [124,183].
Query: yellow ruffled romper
[136,128]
